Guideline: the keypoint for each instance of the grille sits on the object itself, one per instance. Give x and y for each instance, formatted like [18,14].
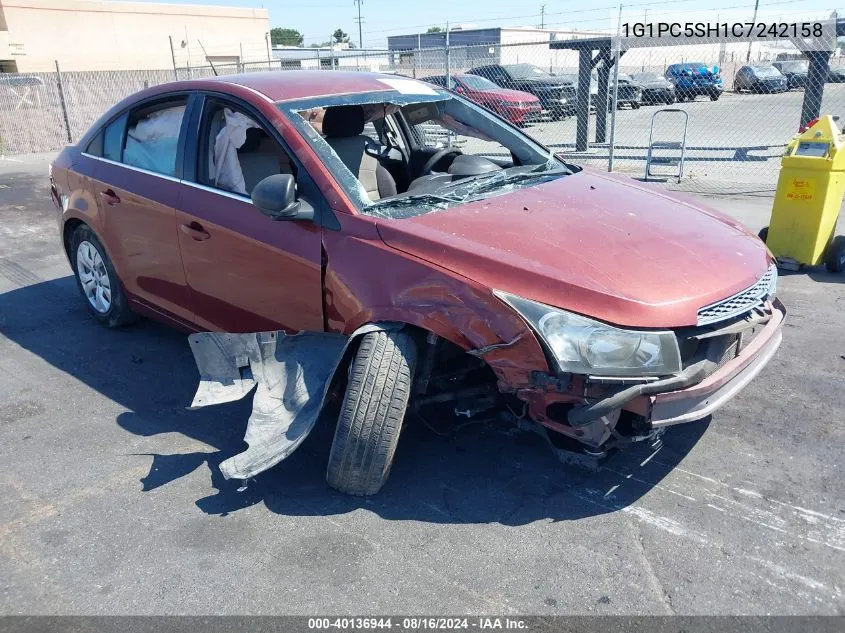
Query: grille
[742,302]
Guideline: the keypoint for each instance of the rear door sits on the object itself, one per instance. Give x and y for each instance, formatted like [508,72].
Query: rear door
[137,189]
[246,272]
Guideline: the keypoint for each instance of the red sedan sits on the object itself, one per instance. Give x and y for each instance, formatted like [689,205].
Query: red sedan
[316,243]
[513,105]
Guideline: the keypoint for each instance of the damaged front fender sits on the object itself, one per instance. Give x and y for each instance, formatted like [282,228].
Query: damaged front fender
[290,374]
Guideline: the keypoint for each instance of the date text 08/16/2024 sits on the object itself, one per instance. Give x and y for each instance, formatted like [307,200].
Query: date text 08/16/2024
[417,623]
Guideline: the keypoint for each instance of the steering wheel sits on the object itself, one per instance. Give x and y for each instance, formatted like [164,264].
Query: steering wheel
[437,157]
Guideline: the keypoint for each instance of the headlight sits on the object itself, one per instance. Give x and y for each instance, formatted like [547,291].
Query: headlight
[583,346]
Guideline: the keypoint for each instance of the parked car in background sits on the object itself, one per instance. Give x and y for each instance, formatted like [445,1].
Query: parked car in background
[628,93]
[836,74]
[794,71]
[556,96]
[516,106]
[382,271]
[655,88]
[695,79]
[760,78]
[570,78]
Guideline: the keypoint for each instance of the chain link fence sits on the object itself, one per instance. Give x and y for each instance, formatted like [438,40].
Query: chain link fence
[734,110]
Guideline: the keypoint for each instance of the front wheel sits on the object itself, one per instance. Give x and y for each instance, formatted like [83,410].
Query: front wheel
[97,280]
[371,416]
[714,96]
[834,257]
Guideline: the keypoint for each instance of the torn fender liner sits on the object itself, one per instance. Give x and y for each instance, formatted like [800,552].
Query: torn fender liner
[292,374]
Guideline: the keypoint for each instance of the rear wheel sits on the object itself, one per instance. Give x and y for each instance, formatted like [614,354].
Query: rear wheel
[372,412]
[834,257]
[714,96]
[97,280]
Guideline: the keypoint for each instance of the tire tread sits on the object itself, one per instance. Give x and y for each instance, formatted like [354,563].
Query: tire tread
[372,412]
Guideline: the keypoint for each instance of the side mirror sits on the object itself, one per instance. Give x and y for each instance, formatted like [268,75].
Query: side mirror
[459,90]
[275,197]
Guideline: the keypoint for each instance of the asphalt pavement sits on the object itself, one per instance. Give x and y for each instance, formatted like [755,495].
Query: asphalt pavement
[111,501]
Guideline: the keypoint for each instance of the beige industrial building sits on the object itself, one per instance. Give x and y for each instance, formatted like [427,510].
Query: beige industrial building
[101,35]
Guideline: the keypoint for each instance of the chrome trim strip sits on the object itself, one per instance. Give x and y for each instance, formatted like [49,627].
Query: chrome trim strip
[227,194]
[132,167]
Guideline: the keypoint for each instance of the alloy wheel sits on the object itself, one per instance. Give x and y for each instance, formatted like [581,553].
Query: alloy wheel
[93,276]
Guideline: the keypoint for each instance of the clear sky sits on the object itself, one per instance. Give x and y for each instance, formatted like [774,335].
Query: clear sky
[317,19]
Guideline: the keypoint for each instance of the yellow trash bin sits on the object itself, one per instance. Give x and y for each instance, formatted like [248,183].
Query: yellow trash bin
[808,198]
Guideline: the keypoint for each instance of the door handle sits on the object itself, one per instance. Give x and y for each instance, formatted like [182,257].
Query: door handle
[110,197]
[195,231]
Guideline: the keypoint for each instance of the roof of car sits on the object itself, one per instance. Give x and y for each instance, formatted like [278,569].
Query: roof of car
[302,84]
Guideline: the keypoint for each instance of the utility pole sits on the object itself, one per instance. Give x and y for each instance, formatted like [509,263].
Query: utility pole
[753,21]
[359,20]
[542,16]
[173,57]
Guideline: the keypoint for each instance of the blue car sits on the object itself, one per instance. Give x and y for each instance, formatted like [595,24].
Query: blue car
[693,79]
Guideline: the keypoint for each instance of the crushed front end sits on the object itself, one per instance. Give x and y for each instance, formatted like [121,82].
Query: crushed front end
[731,343]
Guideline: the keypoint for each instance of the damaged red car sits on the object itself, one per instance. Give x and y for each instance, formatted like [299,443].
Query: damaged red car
[396,245]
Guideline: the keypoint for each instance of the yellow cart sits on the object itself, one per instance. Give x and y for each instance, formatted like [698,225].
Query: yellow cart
[808,198]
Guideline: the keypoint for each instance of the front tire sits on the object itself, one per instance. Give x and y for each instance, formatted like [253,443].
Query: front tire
[714,96]
[97,280]
[372,412]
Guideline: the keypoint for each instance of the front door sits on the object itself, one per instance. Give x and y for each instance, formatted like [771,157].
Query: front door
[246,272]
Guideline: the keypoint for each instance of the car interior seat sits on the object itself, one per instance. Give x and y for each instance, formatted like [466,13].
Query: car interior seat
[343,127]
[260,156]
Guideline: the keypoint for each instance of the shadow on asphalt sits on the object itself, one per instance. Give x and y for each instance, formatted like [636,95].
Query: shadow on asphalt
[479,474]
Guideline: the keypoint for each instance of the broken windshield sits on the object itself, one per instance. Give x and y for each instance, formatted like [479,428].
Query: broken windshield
[411,151]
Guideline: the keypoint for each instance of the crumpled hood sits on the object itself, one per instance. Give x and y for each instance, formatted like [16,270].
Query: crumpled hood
[593,243]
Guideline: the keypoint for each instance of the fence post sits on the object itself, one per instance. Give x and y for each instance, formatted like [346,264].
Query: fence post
[448,60]
[63,102]
[173,58]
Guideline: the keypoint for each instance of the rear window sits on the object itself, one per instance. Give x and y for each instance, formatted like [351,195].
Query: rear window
[765,71]
[113,138]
